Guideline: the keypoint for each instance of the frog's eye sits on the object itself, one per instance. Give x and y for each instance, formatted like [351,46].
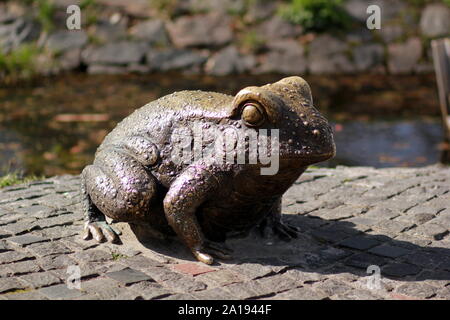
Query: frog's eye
[253,114]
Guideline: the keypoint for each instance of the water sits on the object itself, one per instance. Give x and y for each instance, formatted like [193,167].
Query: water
[54,125]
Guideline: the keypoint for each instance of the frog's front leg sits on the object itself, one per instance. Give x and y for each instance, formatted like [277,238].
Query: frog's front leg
[272,224]
[185,195]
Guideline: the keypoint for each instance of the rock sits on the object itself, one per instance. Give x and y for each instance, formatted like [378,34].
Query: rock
[136,8]
[368,56]
[70,59]
[259,10]
[391,33]
[64,40]
[174,59]
[106,69]
[404,56]
[119,53]
[105,31]
[389,8]
[201,31]
[151,31]
[359,35]
[15,31]
[222,6]
[229,61]
[435,20]
[328,55]
[276,28]
[286,57]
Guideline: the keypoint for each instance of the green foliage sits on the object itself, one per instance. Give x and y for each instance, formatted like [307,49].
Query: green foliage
[20,62]
[165,8]
[86,4]
[45,12]
[117,256]
[316,15]
[15,178]
[252,41]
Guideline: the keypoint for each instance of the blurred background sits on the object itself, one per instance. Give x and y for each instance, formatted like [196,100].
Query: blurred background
[62,91]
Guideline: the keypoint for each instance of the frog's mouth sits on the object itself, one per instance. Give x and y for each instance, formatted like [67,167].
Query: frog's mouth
[304,159]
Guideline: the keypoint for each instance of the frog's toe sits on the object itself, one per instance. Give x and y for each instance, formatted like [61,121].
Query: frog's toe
[283,231]
[100,231]
[212,249]
[286,232]
[203,257]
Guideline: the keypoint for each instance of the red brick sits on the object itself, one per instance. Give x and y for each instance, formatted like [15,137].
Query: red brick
[193,269]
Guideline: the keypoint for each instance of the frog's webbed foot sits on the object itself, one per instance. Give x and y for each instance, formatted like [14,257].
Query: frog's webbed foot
[101,232]
[212,249]
[285,232]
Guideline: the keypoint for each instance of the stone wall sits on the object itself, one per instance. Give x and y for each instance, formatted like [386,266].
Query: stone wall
[221,37]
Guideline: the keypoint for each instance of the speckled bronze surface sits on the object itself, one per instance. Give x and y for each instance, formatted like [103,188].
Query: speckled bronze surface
[135,179]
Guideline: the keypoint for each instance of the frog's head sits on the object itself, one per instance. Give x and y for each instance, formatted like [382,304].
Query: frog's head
[305,137]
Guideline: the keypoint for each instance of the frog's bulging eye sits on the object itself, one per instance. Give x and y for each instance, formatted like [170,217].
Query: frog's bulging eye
[253,114]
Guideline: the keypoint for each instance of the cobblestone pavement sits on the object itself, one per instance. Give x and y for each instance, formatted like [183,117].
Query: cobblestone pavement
[395,220]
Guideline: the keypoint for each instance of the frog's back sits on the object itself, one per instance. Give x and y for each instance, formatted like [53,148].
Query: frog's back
[155,119]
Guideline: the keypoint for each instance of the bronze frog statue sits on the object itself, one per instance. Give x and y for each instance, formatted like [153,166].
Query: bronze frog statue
[140,176]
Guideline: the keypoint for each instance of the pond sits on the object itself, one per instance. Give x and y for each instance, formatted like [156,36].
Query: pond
[53,125]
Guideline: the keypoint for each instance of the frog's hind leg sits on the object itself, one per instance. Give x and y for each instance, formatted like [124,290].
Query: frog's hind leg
[95,222]
[118,186]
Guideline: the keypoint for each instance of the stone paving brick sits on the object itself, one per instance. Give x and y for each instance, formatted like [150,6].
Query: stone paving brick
[220,278]
[332,287]
[241,290]
[140,262]
[104,288]
[23,267]
[357,294]
[13,256]
[276,283]
[400,269]
[252,270]
[26,295]
[19,228]
[389,251]
[359,242]
[59,292]
[431,230]
[26,239]
[128,276]
[161,274]
[417,290]
[40,279]
[150,290]
[92,255]
[180,296]
[55,262]
[192,269]
[382,214]
[364,260]
[443,293]
[213,294]
[427,260]
[11,284]
[302,293]
[48,248]
[330,236]
[301,277]
[185,284]
[4,246]
[38,211]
